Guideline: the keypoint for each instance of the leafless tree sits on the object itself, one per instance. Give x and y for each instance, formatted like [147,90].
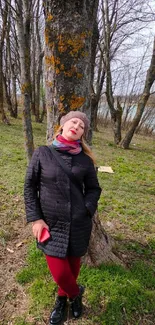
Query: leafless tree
[150,78]
[37,54]
[120,20]
[23,20]
[3,28]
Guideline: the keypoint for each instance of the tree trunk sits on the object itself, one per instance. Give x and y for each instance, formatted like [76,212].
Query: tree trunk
[38,77]
[116,114]
[43,113]
[40,55]
[4,14]
[43,110]
[100,77]
[33,75]
[68,36]
[94,97]
[69,30]
[94,109]
[14,92]
[7,96]
[23,26]
[100,247]
[11,94]
[2,112]
[150,78]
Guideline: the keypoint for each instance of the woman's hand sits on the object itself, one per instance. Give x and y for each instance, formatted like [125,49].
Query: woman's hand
[37,228]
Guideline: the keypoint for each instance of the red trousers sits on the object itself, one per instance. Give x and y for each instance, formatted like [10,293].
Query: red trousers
[65,273]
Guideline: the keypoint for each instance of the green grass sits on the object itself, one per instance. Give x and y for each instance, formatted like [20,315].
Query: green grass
[22,321]
[12,154]
[128,194]
[114,295]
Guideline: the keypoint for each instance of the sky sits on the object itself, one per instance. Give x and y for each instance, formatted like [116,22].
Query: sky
[130,66]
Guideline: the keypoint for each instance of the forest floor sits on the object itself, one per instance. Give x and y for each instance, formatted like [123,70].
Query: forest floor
[114,295]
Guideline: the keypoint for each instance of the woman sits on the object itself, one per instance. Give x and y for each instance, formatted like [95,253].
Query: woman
[63,204]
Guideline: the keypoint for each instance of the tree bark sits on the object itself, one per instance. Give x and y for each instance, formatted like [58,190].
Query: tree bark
[100,247]
[150,78]
[14,91]
[7,96]
[100,76]
[4,14]
[69,30]
[33,73]
[94,109]
[40,55]
[95,98]
[10,83]
[115,113]
[68,36]
[23,26]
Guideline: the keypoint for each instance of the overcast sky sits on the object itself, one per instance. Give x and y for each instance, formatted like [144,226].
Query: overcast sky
[131,65]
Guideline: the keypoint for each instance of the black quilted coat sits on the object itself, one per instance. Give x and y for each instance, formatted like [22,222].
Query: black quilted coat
[50,195]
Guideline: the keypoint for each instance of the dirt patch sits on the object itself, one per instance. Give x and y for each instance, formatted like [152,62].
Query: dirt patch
[14,236]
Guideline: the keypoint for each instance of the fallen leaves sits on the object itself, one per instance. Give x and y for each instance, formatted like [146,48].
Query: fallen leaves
[17,245]
[105,169]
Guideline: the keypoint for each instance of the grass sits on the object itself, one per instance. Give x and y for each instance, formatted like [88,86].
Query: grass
[128,194]
[114,295]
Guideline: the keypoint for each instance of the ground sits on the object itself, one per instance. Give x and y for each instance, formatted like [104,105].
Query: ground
[12,252]
[126,209]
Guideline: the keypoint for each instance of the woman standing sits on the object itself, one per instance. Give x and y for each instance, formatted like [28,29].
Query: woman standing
[61,194]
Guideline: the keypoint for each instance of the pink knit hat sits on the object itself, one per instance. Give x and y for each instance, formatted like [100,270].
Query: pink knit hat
[76,114]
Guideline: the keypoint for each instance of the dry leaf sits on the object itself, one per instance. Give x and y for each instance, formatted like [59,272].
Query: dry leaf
[105,169]
[10,250]
[19,244]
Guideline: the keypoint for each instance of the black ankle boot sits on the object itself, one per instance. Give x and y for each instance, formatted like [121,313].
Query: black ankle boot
[58,312]
[76,303]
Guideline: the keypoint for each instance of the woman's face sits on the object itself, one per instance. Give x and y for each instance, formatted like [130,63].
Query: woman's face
[73,129]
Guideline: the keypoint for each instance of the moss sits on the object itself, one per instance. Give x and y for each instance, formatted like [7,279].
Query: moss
[62,98]
[49,18]
[84,53]
[57,70]
[46,37]
[61,107]
[62,46]
[73,44]
[56,127]
[25,87]
[79,75]
[49,83]
[76,44]
[71,72]
[62,67]
[76,102]
[52,60]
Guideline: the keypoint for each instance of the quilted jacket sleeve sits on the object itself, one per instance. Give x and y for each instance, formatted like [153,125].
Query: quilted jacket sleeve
[31,189]
[92,189]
